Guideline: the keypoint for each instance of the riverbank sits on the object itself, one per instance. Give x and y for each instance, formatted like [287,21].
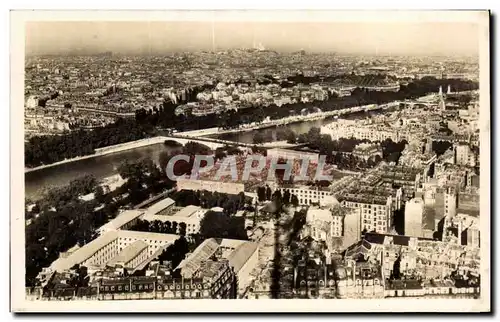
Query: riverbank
[258,126]
[211,131]
[278,144]
[203,132]
[104,151]
[288,120]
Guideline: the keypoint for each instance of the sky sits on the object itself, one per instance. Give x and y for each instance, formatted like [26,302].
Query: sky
[137,37]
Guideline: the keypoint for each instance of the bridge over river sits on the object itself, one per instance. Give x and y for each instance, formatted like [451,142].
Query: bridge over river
[212,143]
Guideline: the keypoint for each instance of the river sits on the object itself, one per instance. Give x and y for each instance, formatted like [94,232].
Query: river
[38,181]
[298,127]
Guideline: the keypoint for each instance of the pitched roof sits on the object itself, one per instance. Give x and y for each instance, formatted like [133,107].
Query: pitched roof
[122,219]
[239,257]
[160,205]
[190,265]
[128,253]
[230,243]
[187,211]
[84,252]
[169,238]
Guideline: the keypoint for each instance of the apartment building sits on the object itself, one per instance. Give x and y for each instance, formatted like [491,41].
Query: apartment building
[376,210]
[310,195]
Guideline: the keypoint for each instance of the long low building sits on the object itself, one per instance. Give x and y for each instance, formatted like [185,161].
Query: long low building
[131,256]
[292,154]
[214,186]
[123,221]
[162,207]
[190,215]
[104,249]
[309,195]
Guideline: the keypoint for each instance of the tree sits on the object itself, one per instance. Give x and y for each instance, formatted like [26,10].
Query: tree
[182,229]
[176,252]
[261,193]
[163,160]
[268,193]
[241,200]
[99,194]
[258,138]
[194,148]
[168,227]
[291,137]
[440,147]
[294,200]
[286,197]
[220,225]
[277,195]
[220,154]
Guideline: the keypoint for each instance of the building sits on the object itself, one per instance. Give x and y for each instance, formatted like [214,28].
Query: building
[292,155]
[428,222]
[242,257]
[321,225]
[123,221]
[416,256]
[367,151]
[112,247]
[244,260]
[189,215]
[414,212]
[310,195]
[337,227]
[32,102]
[450,202]
[312,280]
[371,132]
[214,280]
[131,256]
[376,210]
[468,204]
[352,226]
[471,237]
[161,208]
[214,186]
[464,155]
[359,279]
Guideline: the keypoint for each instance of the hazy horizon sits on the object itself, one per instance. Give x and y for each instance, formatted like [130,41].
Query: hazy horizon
[136,38]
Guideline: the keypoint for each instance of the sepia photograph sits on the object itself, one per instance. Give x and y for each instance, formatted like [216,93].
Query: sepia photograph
[289,161]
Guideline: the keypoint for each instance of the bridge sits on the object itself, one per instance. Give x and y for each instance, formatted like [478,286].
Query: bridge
[210,142]
[412,104]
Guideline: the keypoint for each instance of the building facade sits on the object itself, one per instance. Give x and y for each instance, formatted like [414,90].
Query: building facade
[308,195]
[214,186]
[376,211]
[414,211]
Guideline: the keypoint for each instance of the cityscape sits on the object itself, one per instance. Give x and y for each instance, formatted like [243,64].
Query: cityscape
[256,168]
